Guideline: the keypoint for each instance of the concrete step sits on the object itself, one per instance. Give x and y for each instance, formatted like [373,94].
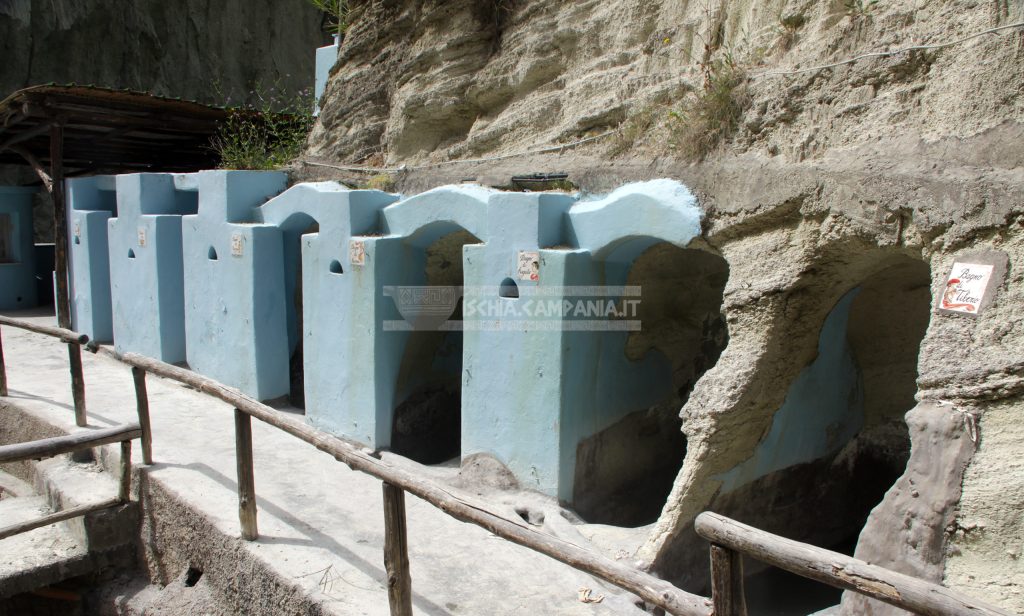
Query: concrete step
[38,557]
[66,484]
[11,486]
[20,509]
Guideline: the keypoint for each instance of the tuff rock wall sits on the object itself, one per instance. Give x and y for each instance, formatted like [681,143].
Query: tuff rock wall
[874,175]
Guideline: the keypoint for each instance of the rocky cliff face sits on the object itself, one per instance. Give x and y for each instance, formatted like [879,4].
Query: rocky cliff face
[207,51]
[877,174]
[437,80]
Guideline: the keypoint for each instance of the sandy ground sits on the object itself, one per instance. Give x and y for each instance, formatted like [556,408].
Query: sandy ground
[321,524]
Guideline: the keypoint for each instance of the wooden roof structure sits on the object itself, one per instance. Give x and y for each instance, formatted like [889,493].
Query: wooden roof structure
[77,130]
[107,131]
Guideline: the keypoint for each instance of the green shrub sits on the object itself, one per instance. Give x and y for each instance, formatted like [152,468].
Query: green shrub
[338,10]
[384,182]
[266,135]
[859,8]
[713,114]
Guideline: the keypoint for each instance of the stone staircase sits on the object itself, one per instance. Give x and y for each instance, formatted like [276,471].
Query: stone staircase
[82,547]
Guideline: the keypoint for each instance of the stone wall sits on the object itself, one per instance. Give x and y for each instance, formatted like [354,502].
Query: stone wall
[198,50]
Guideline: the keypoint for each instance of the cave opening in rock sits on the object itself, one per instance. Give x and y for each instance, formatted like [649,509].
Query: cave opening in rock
[625,472]
[427,421]
[839,441]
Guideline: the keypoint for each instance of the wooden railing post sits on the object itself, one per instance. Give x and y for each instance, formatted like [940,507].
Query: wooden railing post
[125,491]
[142,406]
[3,370]
[727,594]
[246,479]
[396,552]
[77,383]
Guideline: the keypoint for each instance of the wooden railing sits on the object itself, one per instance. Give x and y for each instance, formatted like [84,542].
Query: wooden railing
[729,539]
[50,447]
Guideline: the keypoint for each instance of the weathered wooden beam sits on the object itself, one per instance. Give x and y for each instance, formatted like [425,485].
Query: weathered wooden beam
[60,233]
[142,408]
[77,383]
[25,135]
[246,479]
[124,491]
[50,447]
[649,588]
[841,571]
[111,118]
[396,552]
[727,594]
[53,518]
[3,369]
[65,335]
[36,166]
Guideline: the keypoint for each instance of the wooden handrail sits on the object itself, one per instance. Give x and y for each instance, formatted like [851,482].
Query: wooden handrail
[840,571]
[75,341]
[65,335]
[729,538]
[60,516]
[49,447]
[651,589]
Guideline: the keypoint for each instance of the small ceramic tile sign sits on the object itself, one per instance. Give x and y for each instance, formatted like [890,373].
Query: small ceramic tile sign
[528,265]
[142,236]
[356,252]
[237,244]
[965,288]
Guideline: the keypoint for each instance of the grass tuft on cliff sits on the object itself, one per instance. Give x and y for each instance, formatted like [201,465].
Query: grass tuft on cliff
[711,116]
[265,136]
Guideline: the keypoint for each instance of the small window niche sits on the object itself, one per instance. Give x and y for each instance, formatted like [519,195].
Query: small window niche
[508,289]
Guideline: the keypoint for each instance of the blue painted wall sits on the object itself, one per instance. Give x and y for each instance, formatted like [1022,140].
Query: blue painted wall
[327,274]
[823,410]
[235,284]
[91,202]
[326,57]
[217,287]
[146,272]
[18,272]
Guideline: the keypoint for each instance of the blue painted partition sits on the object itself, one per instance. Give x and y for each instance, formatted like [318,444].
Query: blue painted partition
[91,202]
[205,267]
[329,321]
[532,392]
[326,58]
[17,252]
[365,384]
[235,285]
[147,278]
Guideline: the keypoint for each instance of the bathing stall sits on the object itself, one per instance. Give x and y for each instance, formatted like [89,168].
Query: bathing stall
[234,284]
[91,202]
[18,287]
[146,272]
[559,335]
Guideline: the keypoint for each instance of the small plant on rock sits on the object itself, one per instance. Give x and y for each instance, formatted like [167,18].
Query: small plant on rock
[383,182]
[338,11]
[712,115]
[790,24]
[858,9]
[265,135]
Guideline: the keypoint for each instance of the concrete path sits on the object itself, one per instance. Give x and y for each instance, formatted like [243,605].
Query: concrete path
[321,524]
